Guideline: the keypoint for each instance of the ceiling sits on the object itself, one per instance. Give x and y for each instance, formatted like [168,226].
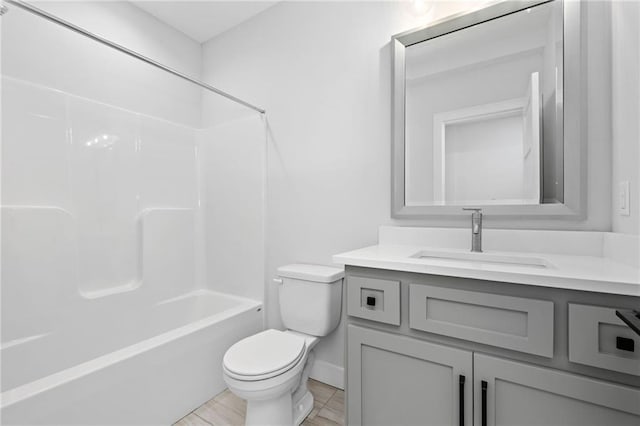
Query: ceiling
[203,20]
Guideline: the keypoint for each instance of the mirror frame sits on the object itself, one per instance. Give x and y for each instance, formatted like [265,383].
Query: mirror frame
[574,98]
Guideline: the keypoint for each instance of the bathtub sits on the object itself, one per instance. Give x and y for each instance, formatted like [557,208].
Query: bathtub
[125,365]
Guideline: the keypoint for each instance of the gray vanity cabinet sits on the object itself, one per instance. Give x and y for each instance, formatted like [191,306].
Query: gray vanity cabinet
[527,355]
[513,393]
[397,380]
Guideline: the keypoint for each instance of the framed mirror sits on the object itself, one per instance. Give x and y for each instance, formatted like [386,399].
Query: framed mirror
[484,113]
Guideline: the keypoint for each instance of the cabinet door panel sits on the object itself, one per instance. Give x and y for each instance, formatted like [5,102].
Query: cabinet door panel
[396,380]
[521,394]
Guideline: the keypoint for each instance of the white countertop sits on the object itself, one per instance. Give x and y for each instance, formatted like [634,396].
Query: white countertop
[591,270]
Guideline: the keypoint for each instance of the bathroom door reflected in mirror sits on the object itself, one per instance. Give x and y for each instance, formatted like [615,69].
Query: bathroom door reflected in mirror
[484,112]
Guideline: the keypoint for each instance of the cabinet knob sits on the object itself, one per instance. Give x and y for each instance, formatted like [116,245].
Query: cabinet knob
[371,301]
[625,344]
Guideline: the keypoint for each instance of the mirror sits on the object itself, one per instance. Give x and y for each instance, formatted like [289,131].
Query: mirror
[479,112]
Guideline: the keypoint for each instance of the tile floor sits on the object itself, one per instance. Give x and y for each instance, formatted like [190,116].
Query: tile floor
[226,409]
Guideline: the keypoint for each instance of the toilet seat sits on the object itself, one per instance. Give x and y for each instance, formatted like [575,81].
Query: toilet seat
[264,355]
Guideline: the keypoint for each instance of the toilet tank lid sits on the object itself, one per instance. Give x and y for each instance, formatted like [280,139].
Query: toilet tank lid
[316,273]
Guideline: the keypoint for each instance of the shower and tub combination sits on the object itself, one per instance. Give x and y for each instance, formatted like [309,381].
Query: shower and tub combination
[116,308]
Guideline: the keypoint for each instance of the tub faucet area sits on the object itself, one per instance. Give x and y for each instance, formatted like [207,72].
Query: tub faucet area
[476,230]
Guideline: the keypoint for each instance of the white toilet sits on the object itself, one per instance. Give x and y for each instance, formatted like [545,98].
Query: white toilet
[270,369]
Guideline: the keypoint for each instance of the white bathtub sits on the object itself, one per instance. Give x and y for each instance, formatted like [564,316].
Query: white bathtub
[124,365]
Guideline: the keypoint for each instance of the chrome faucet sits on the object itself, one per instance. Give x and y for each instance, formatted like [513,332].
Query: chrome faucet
[476,230]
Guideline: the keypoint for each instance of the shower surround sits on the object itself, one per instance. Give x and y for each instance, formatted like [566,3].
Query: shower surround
[111,310]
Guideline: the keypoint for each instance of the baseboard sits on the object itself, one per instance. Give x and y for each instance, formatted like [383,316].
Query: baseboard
[327,373]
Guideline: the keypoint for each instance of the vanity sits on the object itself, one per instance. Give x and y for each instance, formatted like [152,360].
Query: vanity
[522,334]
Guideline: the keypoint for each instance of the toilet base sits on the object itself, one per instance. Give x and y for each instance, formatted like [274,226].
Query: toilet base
[279,411]
[269,412]
[302,408]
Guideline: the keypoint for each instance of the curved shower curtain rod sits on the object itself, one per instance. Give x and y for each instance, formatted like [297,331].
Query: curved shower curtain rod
[39,12]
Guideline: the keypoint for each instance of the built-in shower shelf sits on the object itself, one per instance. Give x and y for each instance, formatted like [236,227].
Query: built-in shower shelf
[25,207]
[150,210]
[103,292]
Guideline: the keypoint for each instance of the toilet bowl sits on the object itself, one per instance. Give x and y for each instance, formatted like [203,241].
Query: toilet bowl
[270,369]
[268,381]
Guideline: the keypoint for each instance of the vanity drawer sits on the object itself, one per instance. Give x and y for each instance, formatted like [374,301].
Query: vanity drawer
[516,323]
[374,299]
[597,337]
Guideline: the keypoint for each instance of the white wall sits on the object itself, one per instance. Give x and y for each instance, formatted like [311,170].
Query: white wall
[55,57]
[123,23]
[484,160]
[626,111]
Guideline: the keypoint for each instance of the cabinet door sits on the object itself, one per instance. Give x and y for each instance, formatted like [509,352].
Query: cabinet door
[397,380]
[521,394]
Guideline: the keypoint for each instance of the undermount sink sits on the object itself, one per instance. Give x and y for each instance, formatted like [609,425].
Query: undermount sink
[483,258]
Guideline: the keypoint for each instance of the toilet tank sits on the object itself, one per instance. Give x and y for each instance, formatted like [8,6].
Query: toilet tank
[310,298]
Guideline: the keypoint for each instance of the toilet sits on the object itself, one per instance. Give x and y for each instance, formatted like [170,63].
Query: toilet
[270,369]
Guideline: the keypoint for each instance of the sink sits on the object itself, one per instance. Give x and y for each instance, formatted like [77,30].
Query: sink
[455,257]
